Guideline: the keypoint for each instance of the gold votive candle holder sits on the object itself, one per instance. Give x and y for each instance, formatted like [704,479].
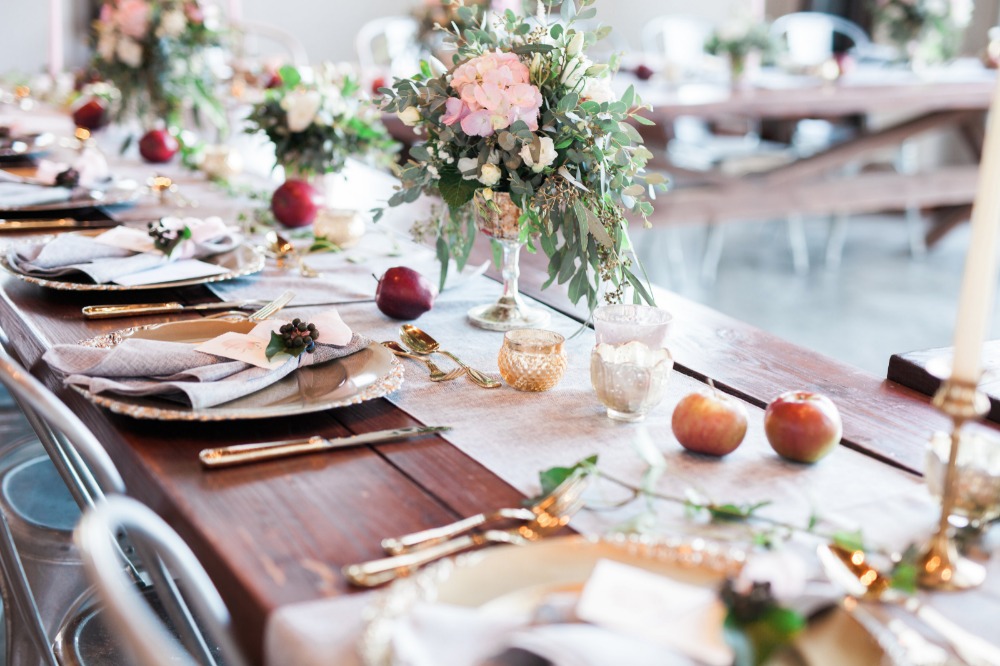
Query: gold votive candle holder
[532,359]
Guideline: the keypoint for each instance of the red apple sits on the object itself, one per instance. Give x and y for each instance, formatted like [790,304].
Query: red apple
[158,146]
[295,203]
[274,80]
[709,422]
[802,426]
[644,72]
[403,293]
[379,82]
[91,114]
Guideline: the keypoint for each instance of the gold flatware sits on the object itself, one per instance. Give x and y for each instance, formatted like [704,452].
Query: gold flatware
[109,311]
[239,454]
[272,308]
[59,223]
[423,344]
[437,374]
[381,571]
[851,570]
[565,494]
[283,248]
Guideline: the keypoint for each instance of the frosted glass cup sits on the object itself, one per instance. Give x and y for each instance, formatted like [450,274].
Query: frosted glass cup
[619,324]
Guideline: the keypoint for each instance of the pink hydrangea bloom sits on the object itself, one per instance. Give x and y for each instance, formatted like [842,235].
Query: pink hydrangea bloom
[493,92]
[133,18]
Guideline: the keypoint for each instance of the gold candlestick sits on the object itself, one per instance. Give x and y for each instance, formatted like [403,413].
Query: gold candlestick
[940,567]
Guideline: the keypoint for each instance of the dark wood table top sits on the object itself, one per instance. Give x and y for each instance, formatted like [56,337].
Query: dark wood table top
[278,533]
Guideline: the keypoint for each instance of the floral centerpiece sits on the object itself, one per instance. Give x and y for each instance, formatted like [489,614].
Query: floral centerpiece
[924,30]
[153,52]
[739,40]
[525,137]
[317,118]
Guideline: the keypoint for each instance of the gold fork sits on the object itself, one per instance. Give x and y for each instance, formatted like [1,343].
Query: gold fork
[259,315]
[378,572]
[566,492]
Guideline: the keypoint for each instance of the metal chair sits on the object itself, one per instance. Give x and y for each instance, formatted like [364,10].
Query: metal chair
[44,484]
[261,41]
[809,36]
[169,559]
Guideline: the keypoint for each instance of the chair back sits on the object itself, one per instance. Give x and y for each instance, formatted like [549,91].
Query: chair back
[262,42]
[177,574]
[80,459]
[389,44]
[809,36]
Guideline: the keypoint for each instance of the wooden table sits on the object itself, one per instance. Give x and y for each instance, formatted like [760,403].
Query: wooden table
[817,184]
[276,534]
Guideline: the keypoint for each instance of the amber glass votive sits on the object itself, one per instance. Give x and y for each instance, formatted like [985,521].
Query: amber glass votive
[532,359]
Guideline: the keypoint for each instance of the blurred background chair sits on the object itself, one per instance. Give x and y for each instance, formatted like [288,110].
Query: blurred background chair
[263,44]
[389,46]
[169,560]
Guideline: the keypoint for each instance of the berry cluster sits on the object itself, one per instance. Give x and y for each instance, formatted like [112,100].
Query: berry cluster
[165,238]
[747,605]
[68,178]
[299,335]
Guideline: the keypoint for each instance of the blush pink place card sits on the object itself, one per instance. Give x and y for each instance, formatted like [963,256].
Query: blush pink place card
[251,347]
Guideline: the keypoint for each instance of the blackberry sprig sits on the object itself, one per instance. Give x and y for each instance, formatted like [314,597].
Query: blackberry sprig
[166,239]
[293,338]
[68,178]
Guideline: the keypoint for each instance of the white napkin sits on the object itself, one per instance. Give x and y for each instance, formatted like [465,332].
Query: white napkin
[90,164]
[174,370]
[102,262]
[19,195]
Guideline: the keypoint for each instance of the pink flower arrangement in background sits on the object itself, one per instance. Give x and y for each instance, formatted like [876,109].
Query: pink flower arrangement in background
[493,93]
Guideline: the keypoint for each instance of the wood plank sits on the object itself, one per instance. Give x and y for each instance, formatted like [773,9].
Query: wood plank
[863,193]
[921,371]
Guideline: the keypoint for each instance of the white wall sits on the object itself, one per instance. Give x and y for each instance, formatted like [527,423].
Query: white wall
[327,27]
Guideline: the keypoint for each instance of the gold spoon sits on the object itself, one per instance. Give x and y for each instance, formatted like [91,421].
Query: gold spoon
[421,343]
[284,248]
[437,374]
[851,570]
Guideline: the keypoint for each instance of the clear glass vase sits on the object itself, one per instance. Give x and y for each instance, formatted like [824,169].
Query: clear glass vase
[498,219]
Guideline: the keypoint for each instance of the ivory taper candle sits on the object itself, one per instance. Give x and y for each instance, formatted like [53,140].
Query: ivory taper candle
[975,304]
[55,38]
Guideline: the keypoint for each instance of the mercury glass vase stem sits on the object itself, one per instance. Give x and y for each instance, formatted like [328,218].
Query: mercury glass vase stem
[498,218]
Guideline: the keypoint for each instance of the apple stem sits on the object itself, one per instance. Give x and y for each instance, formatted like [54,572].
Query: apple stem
[716,391]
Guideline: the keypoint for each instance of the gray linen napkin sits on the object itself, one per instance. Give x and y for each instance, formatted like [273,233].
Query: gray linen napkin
[174,370]
[70,254]
[18,195]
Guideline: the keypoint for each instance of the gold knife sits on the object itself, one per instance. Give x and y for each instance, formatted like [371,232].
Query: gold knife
[246,453]
[110,311]
[60,223]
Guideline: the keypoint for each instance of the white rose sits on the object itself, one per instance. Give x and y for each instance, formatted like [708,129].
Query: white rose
[546,155]
[598,90]
[467,166]
[410,116]
[490,175]
[574,70]
[172,24]
[129,52]
[301,107]
[107,45]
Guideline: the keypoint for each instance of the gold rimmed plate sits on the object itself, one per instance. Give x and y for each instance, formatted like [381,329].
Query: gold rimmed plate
[239,262]
[370,373]
[511,581]
[24,146]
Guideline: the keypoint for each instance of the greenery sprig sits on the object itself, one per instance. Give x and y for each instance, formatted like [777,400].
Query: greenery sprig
[756,625]
[166,239]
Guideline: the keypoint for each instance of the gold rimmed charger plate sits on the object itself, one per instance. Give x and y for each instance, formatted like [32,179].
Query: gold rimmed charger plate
[513,580]
[25,146]
[370,373]
[239,262]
